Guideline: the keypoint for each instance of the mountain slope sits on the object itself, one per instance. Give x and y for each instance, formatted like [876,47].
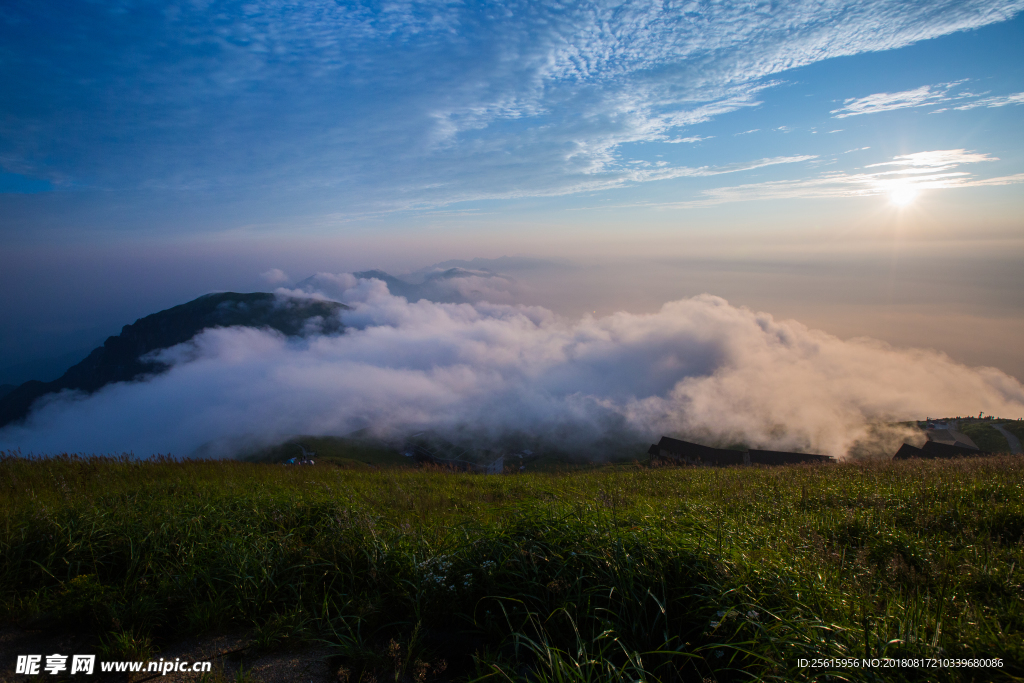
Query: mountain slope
[119,359]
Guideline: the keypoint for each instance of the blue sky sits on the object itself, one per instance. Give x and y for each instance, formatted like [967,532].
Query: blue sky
[350,111]
[272,134]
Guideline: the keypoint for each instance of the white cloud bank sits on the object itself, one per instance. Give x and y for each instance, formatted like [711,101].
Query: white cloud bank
[698,367]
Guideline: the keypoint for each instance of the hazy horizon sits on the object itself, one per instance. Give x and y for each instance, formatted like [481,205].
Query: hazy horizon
[961,304]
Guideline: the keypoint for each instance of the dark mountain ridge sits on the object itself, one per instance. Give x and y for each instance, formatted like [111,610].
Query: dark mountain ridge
[120,359]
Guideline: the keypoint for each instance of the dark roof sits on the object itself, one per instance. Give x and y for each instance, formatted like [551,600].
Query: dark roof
[758,457]
[654,450]
[951,437]
[934,449]
[695,452]
[906,452]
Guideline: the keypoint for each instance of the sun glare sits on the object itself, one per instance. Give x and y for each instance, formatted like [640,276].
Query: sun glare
[903,196]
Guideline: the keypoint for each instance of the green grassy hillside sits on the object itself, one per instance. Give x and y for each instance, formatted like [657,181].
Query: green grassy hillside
[986,437]
[335,450]
[364,452]
[615,574]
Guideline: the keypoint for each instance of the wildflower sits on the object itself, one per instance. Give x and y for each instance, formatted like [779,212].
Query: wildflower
[721,614]
[719,653]
[715,624]
[752,614]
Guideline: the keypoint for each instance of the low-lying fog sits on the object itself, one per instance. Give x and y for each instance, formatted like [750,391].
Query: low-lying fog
[698,367]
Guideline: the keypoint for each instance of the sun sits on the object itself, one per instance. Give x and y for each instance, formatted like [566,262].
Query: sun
[903,196]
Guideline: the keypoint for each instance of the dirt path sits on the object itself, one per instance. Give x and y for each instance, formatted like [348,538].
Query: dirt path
[1010,439]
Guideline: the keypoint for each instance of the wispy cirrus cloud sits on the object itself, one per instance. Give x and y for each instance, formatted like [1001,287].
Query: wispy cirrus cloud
[885,101]
[665,173]
[691,139]
[937,160]
[373,106]
[1001,101]
[925,96]
[909,173]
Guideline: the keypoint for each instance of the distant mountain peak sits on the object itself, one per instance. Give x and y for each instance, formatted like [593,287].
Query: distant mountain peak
[121,358]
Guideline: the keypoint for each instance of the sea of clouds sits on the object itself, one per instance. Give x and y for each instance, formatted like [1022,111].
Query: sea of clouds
[699,368]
